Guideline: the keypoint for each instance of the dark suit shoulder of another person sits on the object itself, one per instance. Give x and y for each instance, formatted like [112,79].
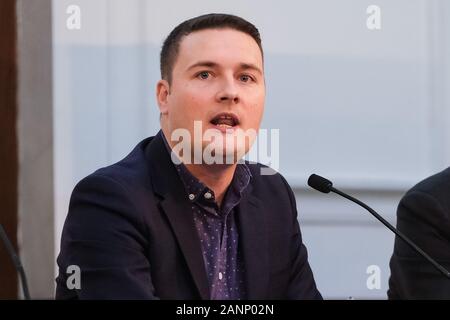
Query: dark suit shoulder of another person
[423,215]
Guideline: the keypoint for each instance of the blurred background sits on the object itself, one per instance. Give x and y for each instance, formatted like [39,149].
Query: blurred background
[361,97]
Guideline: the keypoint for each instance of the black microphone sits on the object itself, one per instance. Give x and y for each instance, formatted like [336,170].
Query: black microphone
[16,262]
[324,185]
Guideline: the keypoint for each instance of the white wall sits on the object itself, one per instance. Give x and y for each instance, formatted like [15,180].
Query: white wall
[368,109]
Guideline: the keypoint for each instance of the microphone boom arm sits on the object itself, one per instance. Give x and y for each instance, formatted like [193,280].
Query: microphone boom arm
[394,230]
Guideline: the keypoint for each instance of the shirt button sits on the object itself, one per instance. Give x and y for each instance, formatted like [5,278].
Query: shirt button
[208,195]
[191,196]
[220,276]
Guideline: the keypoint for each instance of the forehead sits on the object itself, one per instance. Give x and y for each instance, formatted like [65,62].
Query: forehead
[220,45]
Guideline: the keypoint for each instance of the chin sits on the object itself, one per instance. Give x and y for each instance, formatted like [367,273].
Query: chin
[226,148]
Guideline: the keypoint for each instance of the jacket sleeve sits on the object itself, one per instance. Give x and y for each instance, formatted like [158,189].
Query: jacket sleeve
[301,284]
[105,237]
[421,218]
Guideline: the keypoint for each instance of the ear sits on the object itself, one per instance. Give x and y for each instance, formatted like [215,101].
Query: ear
[162,95]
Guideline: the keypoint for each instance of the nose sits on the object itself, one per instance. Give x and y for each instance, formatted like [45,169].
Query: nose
[228,92]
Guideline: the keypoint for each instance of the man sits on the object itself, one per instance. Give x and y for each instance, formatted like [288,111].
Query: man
[423,215]
[162,224]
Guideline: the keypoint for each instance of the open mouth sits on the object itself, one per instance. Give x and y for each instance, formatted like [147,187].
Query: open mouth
[225,120]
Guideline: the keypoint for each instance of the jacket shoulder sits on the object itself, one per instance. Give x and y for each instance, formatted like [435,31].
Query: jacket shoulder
[436,187]
[131,171]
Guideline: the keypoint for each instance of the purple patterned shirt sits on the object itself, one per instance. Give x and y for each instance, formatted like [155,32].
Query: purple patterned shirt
[217,231]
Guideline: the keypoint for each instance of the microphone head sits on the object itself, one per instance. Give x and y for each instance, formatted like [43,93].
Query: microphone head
[320,183]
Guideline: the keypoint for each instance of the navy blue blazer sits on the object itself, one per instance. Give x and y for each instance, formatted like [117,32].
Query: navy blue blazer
[129,231]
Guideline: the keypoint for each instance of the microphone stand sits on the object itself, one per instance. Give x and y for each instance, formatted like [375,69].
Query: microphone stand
[394,230]
[324,185]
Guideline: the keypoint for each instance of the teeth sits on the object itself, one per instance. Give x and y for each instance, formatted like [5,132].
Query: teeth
[224,121]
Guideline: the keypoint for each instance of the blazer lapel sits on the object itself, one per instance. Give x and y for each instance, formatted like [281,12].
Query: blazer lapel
[184,228]
[176,207]
[254,246]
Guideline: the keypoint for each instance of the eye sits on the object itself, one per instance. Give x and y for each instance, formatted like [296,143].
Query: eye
[246,78]
[203,75]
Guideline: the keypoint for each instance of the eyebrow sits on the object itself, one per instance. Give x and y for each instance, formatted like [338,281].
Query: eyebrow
[210,64]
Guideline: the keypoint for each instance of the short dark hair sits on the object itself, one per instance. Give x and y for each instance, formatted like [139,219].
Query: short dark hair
[169,51]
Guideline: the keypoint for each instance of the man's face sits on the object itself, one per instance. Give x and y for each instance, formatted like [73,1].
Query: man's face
[217,79]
